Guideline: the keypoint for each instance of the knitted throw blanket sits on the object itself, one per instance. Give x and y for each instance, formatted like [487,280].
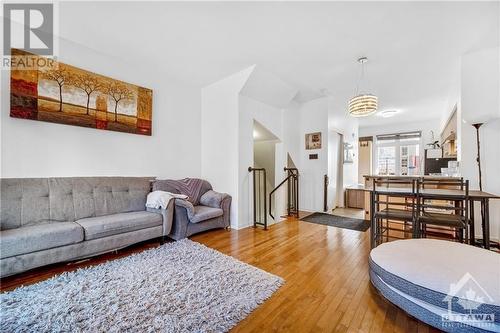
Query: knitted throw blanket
[187,186]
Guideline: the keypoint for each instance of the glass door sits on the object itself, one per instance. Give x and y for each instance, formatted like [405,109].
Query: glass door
[386,160]
[409,160]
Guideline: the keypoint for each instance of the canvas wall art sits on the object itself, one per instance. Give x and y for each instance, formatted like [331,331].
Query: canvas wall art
[313,140]
[60,93]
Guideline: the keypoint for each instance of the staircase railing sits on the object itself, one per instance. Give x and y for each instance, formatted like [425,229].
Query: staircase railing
[293,192]
[259,200]
[326,181]
[292,180]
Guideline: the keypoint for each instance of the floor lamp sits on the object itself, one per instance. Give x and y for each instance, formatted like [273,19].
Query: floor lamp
[478,159]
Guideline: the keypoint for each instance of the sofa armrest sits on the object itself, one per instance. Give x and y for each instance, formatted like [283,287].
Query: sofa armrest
[186,205]
[213,199]
[226,208]
[218,200]
[167,214]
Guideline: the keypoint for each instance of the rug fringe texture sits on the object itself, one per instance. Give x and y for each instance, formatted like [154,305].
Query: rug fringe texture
[182,286]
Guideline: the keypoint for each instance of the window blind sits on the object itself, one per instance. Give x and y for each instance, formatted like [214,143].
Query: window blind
[399,136]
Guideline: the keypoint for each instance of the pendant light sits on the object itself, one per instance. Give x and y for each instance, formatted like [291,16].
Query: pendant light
[362,104]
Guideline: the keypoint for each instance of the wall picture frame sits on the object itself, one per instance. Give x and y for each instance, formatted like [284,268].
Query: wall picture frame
[65,94]
[348,153]
[313,140]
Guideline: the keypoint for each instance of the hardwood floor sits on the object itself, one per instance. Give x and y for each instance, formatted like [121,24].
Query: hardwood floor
[349,212]
[327,287]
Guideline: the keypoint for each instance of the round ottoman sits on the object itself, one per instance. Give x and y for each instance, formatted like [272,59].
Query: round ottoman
[451,286]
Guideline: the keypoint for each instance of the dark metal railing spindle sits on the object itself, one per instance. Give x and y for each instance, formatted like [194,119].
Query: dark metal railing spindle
[259,206]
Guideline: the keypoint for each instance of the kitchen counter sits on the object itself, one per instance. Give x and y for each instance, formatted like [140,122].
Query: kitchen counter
[412,177]
[368,184]
[356,187]
[369,179]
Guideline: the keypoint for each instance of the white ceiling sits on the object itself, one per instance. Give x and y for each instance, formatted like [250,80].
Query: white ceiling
[413,48]
[268,88]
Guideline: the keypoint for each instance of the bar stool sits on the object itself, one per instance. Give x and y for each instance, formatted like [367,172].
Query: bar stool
[385,209]
[436,210]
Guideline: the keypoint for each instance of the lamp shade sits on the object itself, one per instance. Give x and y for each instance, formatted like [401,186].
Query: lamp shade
[363,105]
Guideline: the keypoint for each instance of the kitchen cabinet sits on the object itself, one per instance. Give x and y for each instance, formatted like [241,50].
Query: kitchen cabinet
[355,198]
[449,137]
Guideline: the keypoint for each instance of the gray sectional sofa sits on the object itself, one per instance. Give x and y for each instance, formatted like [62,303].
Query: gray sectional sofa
[205,209]
[50,220]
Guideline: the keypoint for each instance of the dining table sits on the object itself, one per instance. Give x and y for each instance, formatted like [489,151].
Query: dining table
[453,195]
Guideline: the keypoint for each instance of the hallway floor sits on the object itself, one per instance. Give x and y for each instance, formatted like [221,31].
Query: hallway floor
[340,211]
[349,212]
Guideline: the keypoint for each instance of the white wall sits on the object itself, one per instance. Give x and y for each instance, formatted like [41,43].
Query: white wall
[41,149]
[326,116]
[272,119]
[480,94]
[227,121]
[365,161]
[313,117]
[220,136]
[291,127]
[335,170]
[262,99]
[264,153]
[341,122]
[265,157]
[265,87]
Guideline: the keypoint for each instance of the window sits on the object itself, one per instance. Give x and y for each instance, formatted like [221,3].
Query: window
[398,154]
[386,160]
[409,160]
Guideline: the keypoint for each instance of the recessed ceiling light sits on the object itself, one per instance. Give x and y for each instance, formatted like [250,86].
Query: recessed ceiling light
[387,113]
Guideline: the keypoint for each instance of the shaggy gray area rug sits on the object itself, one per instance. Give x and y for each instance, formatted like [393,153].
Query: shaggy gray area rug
[178,287]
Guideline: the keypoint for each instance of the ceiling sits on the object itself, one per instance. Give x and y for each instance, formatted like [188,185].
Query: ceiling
[413,48]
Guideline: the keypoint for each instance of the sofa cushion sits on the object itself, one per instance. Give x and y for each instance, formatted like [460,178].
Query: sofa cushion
[108,225]
[31,201]
[38,237]
[24,202]
[203,213]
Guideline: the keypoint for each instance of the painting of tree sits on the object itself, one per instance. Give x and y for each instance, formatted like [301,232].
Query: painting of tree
[89,84]
[65,94]
[118,92]
[61,76]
